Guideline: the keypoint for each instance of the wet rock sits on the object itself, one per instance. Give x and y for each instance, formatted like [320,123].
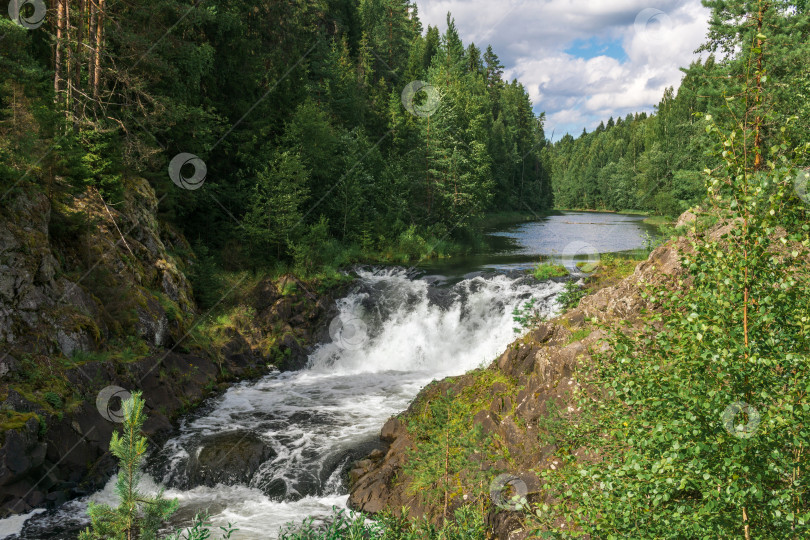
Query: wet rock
[392,429]
[294,356]
[8,365]
[275,489]
[227,458]
[21,452]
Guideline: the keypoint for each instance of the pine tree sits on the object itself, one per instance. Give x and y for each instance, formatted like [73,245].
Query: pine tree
[137,516]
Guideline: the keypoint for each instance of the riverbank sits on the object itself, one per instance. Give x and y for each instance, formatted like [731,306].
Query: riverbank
[244,325]
[88,314]
[650,218]
[515,405]
[59,414]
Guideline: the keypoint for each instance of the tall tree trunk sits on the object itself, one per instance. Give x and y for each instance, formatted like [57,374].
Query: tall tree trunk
[758,143]
[99,37]
[91,43]
[69,63]
[57,57]
[77,62]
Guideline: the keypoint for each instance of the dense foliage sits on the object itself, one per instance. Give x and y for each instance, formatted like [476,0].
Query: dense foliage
[304,113]
[699,426]
[654,163]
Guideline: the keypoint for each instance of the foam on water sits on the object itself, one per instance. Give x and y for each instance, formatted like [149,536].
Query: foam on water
[319,419]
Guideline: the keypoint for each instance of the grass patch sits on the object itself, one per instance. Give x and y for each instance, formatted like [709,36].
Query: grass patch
[125,351]
[658,221]
[544,271]
[10,419]
[446,464]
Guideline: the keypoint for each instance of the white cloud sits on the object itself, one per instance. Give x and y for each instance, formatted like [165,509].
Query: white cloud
[531,37]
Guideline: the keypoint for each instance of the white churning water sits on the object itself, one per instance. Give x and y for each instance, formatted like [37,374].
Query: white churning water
[320,419]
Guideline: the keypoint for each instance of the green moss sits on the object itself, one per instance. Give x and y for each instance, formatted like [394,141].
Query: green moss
[10,419]
[579,335]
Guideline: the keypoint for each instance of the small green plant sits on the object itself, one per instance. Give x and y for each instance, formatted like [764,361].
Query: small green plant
[138,515]
[579,335]
[54,400]
[201,530]
[544,271]
[466,524]
[526,316]
[571,295]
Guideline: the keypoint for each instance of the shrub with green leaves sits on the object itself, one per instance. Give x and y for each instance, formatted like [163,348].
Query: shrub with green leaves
[571,295]
[526,316]
[697,426]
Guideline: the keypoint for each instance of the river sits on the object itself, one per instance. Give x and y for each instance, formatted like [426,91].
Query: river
[397,330]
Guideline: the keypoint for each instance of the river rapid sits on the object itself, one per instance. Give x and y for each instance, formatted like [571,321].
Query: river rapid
[396,330]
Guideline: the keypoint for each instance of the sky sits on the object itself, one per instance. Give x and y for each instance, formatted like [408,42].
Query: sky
[582,61]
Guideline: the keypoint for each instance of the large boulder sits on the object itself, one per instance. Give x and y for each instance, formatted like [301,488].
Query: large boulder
[227,458]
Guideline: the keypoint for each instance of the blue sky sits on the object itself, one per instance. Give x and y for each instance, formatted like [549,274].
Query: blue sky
[582,61]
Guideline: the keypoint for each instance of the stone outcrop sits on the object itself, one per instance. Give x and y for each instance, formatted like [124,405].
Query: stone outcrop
[69,275]
[52,458]
[73,279]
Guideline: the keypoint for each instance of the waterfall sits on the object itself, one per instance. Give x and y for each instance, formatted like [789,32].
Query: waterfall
[393,334]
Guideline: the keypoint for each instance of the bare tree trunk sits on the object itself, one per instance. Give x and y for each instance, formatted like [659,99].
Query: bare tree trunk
[746,526]
[91,43]
[99,36]
[57,57]
[69,63]
[77,63]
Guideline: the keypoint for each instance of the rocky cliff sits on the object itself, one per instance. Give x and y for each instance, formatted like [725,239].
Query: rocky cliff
[94,304]
[531,381]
